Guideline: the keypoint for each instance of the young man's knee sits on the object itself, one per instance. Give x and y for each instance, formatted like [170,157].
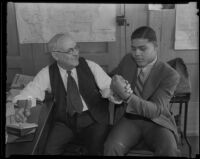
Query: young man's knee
[114,148]
[168,151]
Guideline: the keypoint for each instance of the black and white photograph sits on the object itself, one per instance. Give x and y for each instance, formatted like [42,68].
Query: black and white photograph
[102,79]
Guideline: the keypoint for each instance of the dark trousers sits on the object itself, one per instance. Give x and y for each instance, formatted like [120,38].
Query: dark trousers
[130,132]
[91,133]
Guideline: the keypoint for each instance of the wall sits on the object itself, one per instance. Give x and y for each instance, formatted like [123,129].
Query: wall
[29,58]
[164,22]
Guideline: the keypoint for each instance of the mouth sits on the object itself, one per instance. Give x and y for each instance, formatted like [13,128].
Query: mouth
[139,60]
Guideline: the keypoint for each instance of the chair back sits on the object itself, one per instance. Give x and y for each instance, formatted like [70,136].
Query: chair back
[184,85]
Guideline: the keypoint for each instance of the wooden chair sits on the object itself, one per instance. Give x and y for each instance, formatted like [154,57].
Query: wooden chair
[31,144]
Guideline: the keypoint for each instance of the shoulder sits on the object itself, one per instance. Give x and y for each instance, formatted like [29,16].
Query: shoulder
[92,64]
[44,70]
[168,71]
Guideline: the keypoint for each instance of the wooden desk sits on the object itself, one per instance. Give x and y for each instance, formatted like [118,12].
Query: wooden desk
[183,98]
[39,115]
[20,147]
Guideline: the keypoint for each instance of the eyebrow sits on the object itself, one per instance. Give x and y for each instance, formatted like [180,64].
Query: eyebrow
[142,46]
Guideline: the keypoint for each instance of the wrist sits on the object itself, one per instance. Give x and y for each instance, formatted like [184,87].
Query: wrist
[127,99]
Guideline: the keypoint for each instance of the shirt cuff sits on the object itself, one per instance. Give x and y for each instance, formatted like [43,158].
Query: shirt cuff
[108,93]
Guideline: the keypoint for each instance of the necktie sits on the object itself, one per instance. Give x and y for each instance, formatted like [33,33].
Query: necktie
[139,84]
[74,103]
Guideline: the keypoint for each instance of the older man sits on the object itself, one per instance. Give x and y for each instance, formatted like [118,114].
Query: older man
[77,85]
[147,117]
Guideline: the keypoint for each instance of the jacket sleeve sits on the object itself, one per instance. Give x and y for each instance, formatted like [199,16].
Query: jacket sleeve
[158,102]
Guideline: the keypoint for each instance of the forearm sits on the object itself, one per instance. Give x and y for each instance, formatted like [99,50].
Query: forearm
[137,105]
[154,106]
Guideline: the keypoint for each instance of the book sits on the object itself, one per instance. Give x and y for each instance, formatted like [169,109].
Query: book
[21,129]
[21,80]
[13,138]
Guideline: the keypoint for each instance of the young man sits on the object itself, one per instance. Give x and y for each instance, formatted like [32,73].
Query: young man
[77,85]
[147,116]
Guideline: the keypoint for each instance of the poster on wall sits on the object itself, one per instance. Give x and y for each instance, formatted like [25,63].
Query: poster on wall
[160,6]
[187,24]
[38,22]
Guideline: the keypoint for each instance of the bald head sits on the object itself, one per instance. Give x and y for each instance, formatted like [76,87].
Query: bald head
[60,42]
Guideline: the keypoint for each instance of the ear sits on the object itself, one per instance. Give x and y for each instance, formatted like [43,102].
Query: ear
[54,55]
[155,44]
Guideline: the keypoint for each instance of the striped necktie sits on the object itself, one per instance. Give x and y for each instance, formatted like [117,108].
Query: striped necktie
[139,84]
[74,103]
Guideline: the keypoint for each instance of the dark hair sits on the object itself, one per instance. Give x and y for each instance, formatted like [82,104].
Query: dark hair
[144,32]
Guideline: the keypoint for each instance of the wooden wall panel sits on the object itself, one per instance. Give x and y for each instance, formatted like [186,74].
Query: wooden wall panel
[93,47]
[12,36]
[137,16]
[154,21]
[19,57]
[41,56]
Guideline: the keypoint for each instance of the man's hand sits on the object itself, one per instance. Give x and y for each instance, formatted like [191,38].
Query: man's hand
[23,110]
[121,87]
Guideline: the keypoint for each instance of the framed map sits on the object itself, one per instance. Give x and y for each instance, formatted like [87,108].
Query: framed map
[38,22]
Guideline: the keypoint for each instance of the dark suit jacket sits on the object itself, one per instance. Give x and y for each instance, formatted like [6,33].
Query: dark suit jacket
[157,92]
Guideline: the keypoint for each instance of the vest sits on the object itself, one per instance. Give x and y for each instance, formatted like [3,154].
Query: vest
[97,106]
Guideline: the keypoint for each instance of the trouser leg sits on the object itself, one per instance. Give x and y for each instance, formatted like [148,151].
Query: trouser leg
[122,137]
[161,141]
[59,136]
[94,137]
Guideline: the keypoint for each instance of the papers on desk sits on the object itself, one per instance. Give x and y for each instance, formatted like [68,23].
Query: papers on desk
[9,105]
[12,93]
[21,129]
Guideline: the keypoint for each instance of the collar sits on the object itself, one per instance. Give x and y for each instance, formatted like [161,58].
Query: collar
[63,71]
[150,65]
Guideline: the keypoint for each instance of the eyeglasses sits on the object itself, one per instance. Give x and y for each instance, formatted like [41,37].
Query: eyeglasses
[70,50]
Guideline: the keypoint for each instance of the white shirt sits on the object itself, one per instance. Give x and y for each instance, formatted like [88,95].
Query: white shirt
[147,69]
[41,83]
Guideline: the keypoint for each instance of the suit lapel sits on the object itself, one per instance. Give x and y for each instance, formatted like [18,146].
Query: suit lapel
[152,81]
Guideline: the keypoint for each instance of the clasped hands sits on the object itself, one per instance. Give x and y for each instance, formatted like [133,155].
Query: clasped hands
[121,87]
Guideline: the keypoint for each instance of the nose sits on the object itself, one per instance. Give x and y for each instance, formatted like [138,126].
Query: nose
[75,52]
[138,52]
